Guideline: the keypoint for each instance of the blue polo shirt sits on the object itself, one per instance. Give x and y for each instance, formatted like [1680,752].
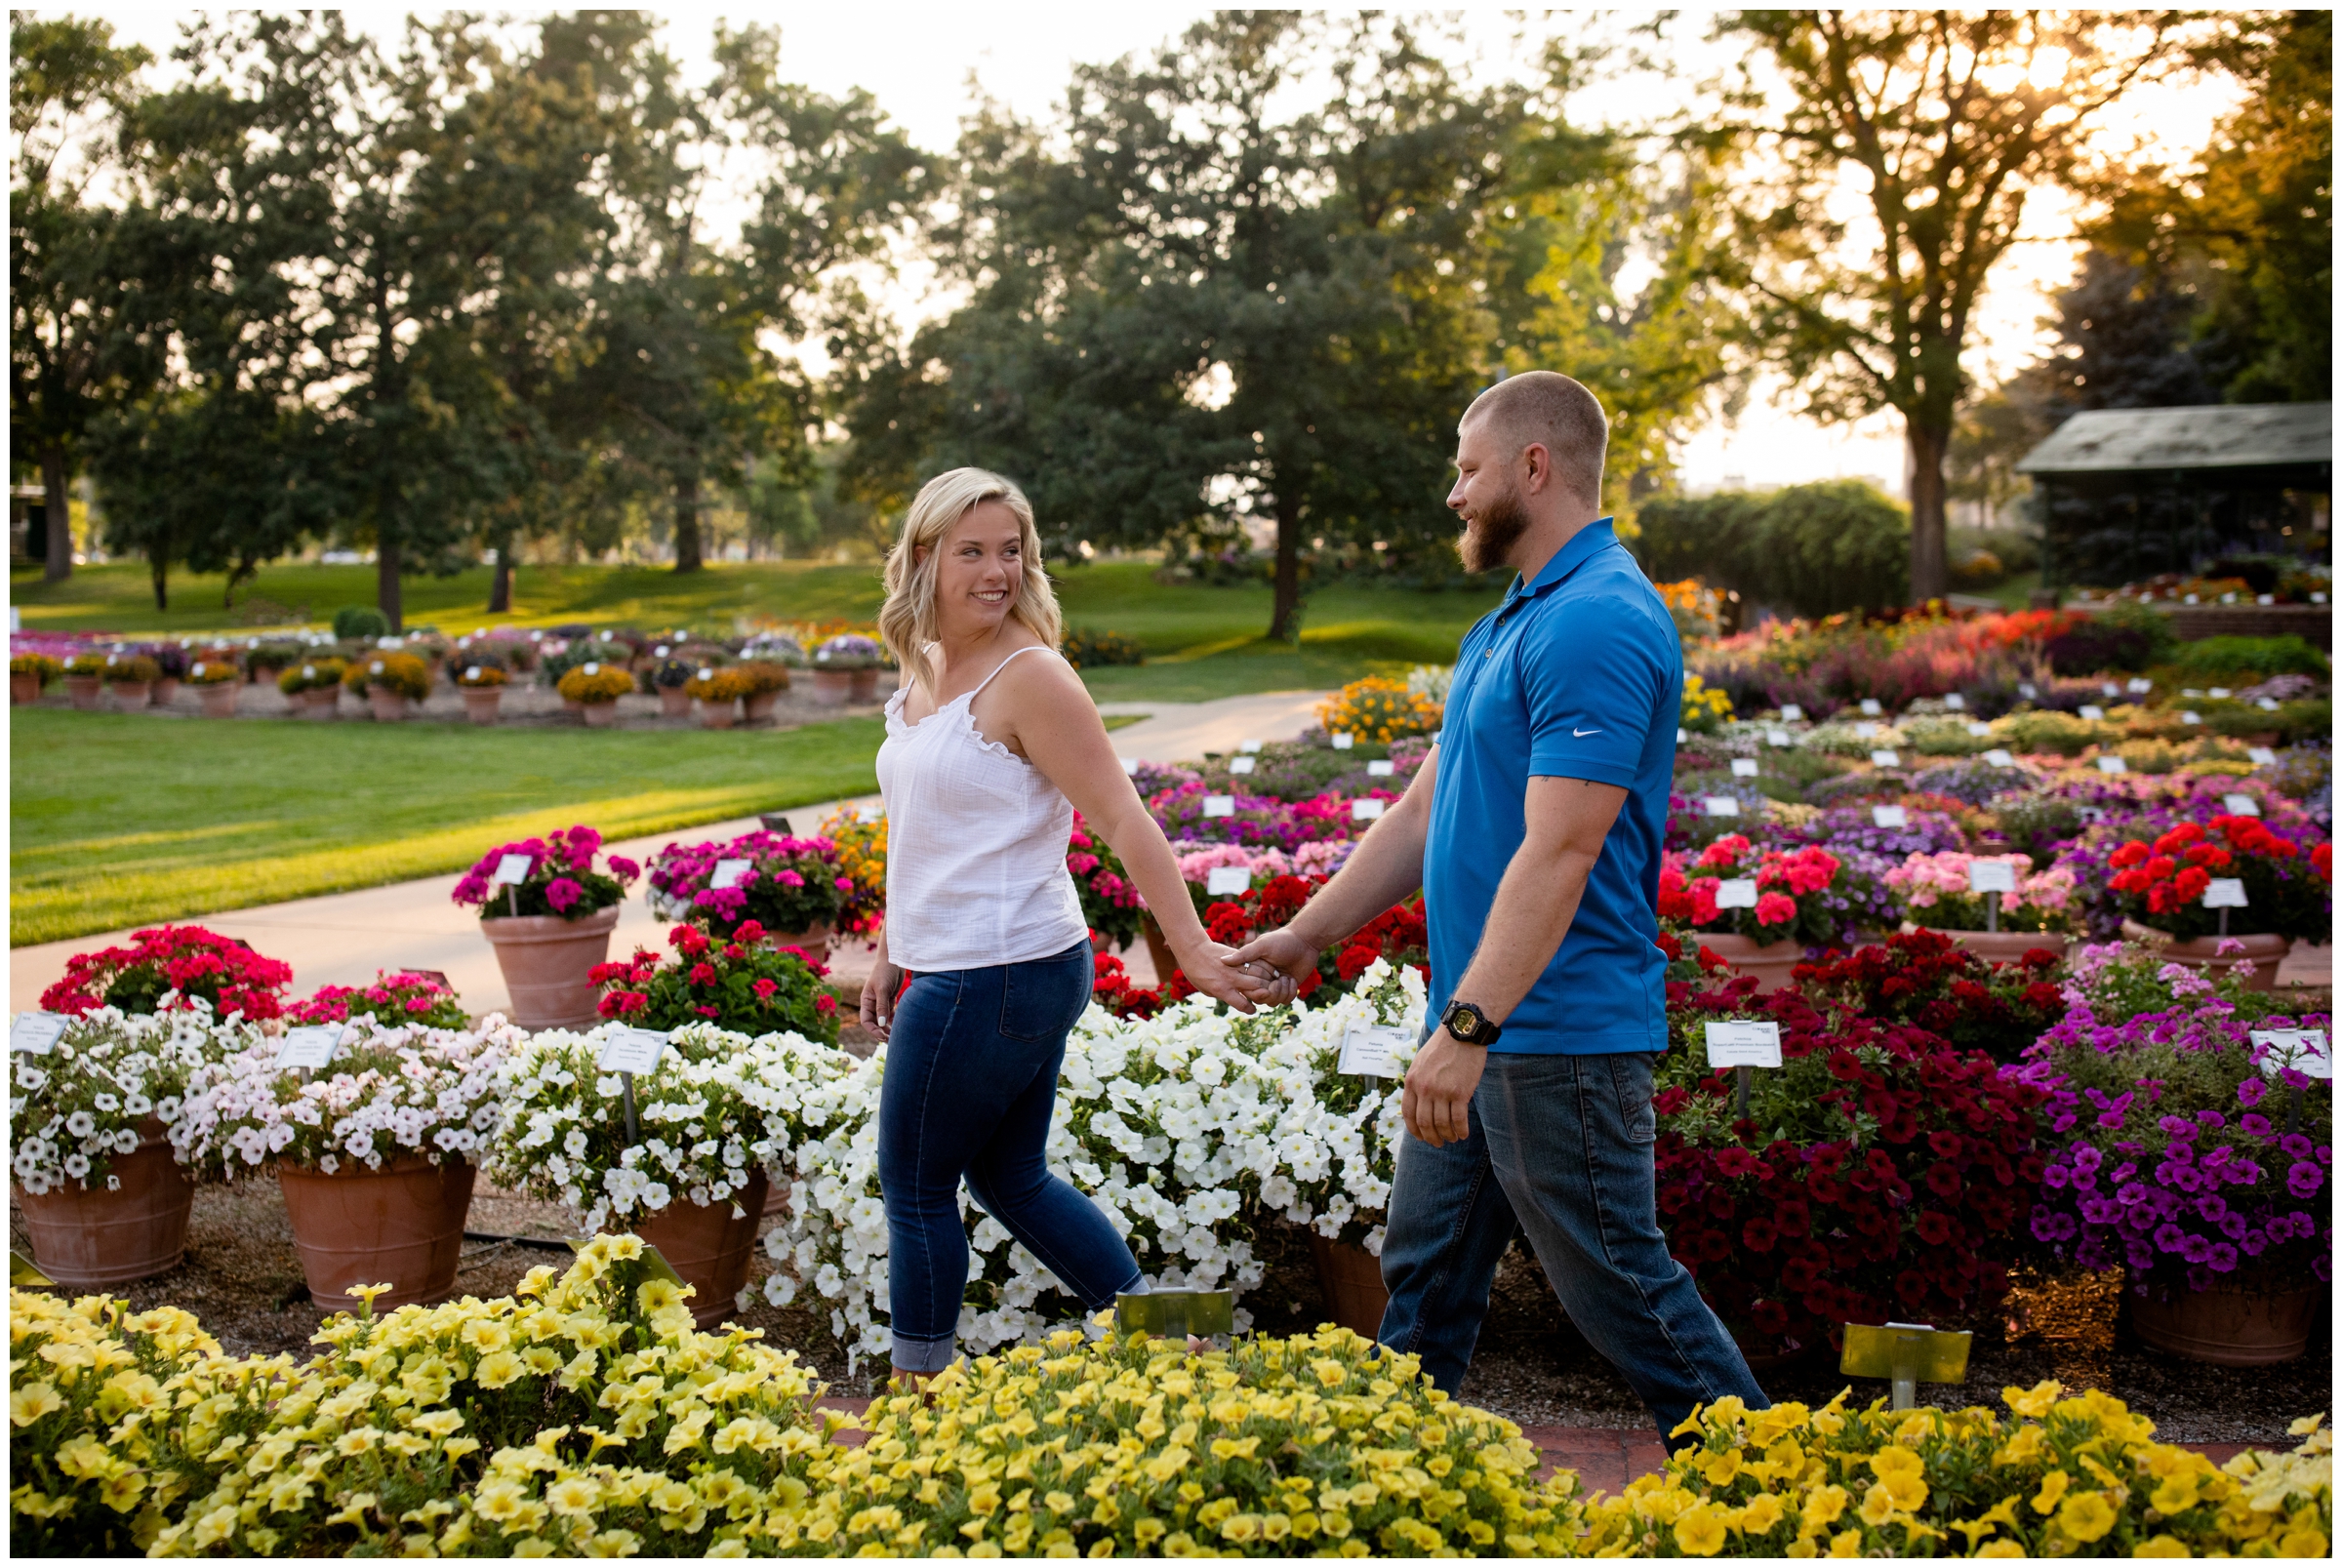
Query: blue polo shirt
[1576,675]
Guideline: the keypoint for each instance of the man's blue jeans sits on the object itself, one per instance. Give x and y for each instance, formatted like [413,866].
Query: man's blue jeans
[1561,1148]
[971,1081]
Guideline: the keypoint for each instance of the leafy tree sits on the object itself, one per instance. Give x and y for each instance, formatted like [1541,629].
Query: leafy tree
[77,346]
[1945,122]
[2122,343]
[1816,548]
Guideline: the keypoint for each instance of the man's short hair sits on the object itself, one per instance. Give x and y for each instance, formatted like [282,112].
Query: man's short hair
[1542,407]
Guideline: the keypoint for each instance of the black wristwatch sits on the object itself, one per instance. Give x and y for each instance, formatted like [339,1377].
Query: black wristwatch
[1469,1024]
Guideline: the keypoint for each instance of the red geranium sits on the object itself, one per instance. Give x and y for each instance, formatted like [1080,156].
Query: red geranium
[1924,977]
[186,960]
[2162,882]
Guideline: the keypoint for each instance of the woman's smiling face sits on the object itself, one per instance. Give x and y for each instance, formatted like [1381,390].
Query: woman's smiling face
[983,566]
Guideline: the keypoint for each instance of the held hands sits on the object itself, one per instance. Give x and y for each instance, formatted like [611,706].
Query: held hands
[1281,959]
[1215,973]
[878,994]
[1437,1099]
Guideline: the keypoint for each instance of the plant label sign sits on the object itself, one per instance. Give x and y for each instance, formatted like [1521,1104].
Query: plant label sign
[512,869]
[632,1050]
[2240,805]
[1991,877]
[1248,746]
[2138,687]
[1720,805]
[2113,765]
[2217,691]
[870,814]
[1871,707]
[1218,805]
[727,873]
[1365,811]
[1979,730]
[2224,893]
[1130,765]
[1885,758]
[2304,1051]
[1744,1045]
[2267,705]
[1999,757]
[2027,690]
[1381,770]
[1778,738]
[1736,893]
[311,1046]
[2187,715]
[1889,817]
[1345,740]
[1222,881]
[2093,711]
[1792,713]
[1681,735]
[36,1033]
[2260,756]
[1955,701]
[1866,730]
[1242,764]
[1744,766]
[1371,1049]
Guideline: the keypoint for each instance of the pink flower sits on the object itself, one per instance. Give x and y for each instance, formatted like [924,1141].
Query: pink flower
[845,884]
[562,893]
[626,871]
[1774,909]
[789,879]
[702,974]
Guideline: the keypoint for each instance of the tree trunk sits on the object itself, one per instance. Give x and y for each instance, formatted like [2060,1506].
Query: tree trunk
[241,572]
[1284,622]
[387,584]
[57,513]
[1930,571]
[159,568]
[687,524]
[500,587]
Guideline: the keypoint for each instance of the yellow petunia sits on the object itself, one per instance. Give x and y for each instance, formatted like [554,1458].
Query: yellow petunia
[2176,1495]
[2161,1547]
[2002,1547]
[2053,1487]
[2035,1401]
[31,1402]
[1700,1530]
[2085,1516]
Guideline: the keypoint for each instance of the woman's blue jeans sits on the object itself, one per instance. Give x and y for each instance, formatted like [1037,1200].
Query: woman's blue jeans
[971,1080]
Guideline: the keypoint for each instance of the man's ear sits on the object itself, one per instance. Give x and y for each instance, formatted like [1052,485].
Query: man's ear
[1540,463]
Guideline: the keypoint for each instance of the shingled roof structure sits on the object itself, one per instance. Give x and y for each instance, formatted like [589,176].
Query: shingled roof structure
[2106,443]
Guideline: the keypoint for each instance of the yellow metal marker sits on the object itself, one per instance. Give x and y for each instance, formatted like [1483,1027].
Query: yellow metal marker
[1905,1354]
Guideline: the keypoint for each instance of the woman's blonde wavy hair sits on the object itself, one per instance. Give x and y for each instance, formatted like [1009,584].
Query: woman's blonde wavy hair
[907,619]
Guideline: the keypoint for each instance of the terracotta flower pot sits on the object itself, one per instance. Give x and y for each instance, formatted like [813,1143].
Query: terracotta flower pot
[219,700]
[760,706]
[24,688]
[813,940]
[717,715]
[569,706]
[401,1226]
[165,690]
[1158,947]
[601,716]
[2265,949]
[321,702]
[131,694]
[866,686]
[832,688]
[1769,961]
[546,960]
[674,703]
[91,1240]
[1351,1280]
[709,1248]
[84,689]
[2003,947]
[388,707]
[480,702]
[2227,1328]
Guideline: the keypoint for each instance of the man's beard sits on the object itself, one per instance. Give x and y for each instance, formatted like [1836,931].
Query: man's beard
[1491,538]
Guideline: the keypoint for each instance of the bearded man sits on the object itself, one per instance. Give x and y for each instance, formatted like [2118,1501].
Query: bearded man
[1534,829]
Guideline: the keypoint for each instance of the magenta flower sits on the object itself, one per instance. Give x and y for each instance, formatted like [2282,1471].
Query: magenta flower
[626,871]
[562,893]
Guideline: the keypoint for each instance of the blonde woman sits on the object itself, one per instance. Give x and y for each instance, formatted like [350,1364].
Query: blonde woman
[991,744]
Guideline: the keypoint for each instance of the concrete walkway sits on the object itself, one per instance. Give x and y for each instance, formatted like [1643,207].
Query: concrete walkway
[343,939]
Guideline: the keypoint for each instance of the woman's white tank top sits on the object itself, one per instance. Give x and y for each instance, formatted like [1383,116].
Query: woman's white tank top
[976,841]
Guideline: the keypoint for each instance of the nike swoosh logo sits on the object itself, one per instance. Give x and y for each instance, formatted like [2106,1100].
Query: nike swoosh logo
[1576,733]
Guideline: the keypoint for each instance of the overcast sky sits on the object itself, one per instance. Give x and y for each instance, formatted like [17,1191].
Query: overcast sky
[924,64]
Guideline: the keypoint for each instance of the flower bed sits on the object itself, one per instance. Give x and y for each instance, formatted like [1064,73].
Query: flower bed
[1934,891]
[107,1078]
[168,967]
[1922,978]
[790,884]
[392,998]
[740,983]
[1791,891]
[563,878]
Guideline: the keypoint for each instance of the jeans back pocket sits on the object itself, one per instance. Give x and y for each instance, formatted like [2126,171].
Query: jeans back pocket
[1630,1074]
[1042,999]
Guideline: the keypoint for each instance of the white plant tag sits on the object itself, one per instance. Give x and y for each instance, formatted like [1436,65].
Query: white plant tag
[2225,893]
[1776,738]
[1955,702]
[2093,711]
[868,815]
[2139,687]
[1222,880]
[2027,690]
[1979,730]
[2113,765]
[2304,1051]
[1371,1049]
[1885,758]
[1889,817]
[727,873]
[1792,713]
[1345,740]
[36,1033]
[1218,805]
[1363,810]
[1744,766]
[2110,688]
[1866,730]
[1381,770]
[1720,805]
[630,1049]
[2260,756]
[1999,758]
[2187,715]
[1242,764]
[1871,707]
[1736,893]
[1248,746]
[311,1046]
[2240,805]
[512,869]
[1130,764]
[2267,705]
[1991,877]
[1681,735]
[2217,691]
[1744,1044]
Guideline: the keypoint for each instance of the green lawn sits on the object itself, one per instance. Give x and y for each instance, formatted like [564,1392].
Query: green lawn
[1201,642]
[118,820]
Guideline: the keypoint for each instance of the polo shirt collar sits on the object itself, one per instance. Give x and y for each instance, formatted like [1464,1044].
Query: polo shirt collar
[1581,547]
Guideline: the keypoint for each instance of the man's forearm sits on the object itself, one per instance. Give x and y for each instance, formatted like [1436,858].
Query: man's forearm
[1384,868]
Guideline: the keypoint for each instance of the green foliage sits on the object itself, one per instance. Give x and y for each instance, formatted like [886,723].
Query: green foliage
[2289,655]
[361,621]
[1088,648]
[1816,548]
